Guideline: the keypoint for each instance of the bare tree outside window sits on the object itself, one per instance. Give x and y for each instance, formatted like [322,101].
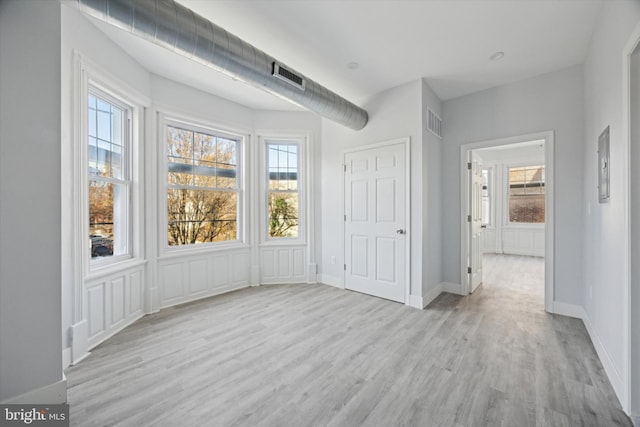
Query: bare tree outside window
[526,194]
[202,195]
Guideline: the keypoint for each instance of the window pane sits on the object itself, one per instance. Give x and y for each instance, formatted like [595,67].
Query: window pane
[107,219]
[283,166]
[180,156]
[526,194]
[283,214]
[486,199]
[226,163]
[200,216]
[106,138]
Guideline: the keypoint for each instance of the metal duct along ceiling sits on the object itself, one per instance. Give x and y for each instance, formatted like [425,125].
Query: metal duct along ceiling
[179,29]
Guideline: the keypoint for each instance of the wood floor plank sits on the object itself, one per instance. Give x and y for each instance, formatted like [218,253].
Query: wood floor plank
[313,355]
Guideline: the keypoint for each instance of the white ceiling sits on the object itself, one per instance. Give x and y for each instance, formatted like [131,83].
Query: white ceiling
[395,42]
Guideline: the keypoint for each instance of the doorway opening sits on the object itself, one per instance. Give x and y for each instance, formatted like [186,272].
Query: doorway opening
[507,215]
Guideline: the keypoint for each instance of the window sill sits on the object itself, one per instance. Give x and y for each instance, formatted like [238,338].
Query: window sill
[202,250]
[276,243]
[111,269]
[525,225]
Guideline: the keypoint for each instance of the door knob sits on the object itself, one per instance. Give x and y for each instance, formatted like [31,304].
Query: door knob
[400,231]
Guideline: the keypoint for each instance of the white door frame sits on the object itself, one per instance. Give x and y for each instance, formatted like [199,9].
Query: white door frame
[465,150]
[627,53]
[407,152]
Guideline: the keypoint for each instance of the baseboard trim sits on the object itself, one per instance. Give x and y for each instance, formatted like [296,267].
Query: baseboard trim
[452,288]
[615,378]
[334,281]
[52,394]
[66,358]
[416,301]
[431,295]
[569,310]
[79,341]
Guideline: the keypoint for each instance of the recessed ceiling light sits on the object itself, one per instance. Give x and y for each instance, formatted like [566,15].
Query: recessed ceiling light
[496,56]
[353,65]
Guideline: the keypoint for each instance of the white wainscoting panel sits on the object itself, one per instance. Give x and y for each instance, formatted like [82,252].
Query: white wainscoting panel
[489,240]
[112,303]
[183,278]
[523,241]
[283,264]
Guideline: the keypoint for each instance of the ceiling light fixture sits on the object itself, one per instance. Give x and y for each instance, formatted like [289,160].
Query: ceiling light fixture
[496,56]
[353,65]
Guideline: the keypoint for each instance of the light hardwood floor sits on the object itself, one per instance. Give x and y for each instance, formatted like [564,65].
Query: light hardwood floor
[313,355]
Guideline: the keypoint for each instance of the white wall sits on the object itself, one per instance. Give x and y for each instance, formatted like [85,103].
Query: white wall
[393,114]
[604,226]
[432,196]
[551,101]
[30,214]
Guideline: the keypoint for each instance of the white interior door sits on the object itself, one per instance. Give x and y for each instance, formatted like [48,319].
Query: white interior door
[475,223]
[375,229]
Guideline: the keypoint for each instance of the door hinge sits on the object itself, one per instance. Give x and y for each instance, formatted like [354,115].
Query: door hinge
[469,165]
[345,217]
[468,218]
[345,167]
[345,267]
[469,270]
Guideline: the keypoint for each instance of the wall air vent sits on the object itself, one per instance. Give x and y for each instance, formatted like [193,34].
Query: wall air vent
[290,77]
[434,123]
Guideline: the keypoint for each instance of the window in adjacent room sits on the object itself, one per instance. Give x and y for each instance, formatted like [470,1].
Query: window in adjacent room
[109,139]
[203,189]
[526,194]
[486,196]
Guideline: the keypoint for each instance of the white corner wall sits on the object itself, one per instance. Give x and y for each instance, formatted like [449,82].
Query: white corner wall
[30,212]
[432,199]
[112,301]
[393,114]
[605,232]
[553,102]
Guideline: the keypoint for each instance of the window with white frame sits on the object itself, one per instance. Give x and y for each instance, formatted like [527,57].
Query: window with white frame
[203,185]
[109,189]
[526,194]
[283,189]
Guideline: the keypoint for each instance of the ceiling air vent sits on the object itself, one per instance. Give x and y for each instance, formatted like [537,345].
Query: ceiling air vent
[434,123]
[290,77]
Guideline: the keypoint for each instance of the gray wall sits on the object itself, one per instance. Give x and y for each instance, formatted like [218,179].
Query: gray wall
[30,217]
[432,195]
[551,101]
[605,231]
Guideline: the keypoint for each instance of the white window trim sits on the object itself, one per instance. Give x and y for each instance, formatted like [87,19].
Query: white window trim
[507,167]
[304,208]
[168,118]
[127,181]
[86,75]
